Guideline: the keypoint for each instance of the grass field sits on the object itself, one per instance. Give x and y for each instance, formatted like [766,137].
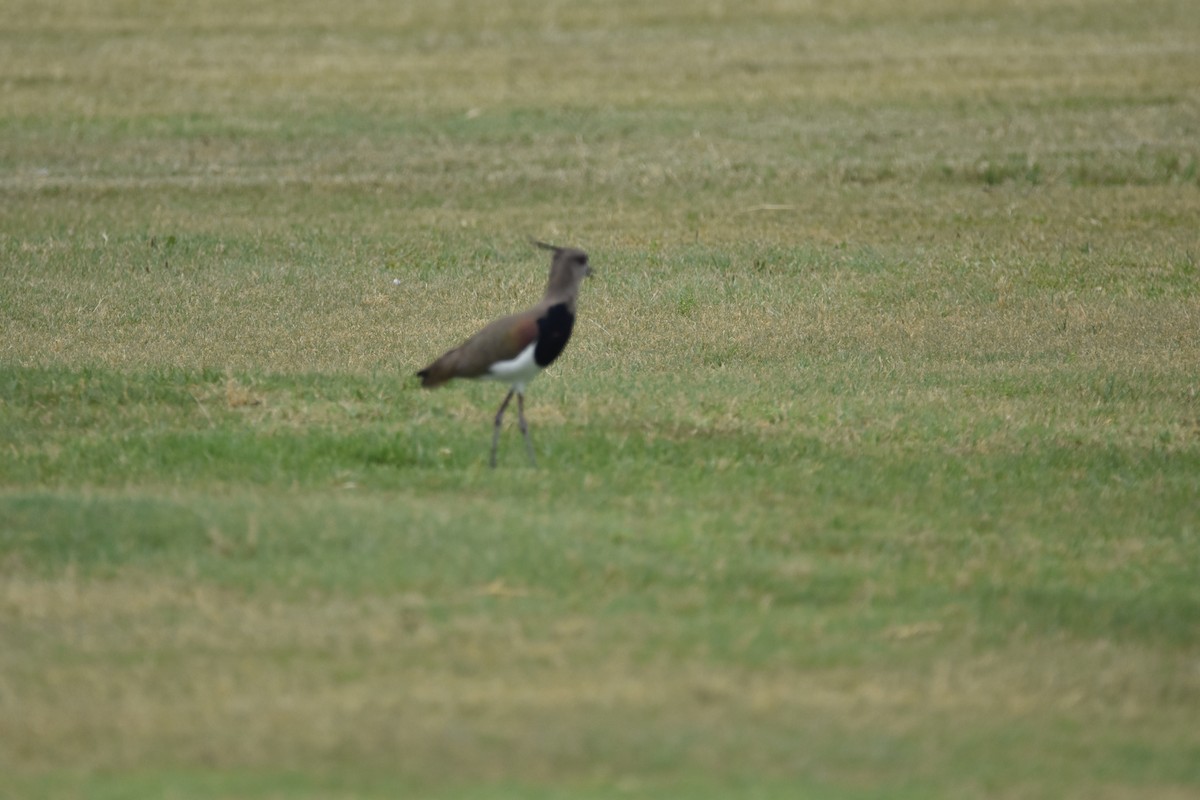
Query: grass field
[873,469]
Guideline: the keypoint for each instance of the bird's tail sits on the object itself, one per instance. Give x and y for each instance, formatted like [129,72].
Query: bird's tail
[436,374]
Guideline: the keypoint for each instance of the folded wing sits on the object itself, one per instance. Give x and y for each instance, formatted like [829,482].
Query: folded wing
[501,340]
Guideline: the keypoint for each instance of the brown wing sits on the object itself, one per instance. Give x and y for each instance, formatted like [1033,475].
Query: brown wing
[498,341]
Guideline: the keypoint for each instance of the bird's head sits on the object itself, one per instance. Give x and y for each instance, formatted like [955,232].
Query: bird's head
[568,267]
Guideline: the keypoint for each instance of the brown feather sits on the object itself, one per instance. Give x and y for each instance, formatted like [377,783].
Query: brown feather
[501,340]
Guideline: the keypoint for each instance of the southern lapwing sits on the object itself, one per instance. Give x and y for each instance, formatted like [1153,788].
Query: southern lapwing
[514,349]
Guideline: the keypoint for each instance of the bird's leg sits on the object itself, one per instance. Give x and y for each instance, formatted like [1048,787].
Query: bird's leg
[496,430]
[525,427]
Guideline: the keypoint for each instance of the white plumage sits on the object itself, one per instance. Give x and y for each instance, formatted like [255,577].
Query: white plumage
[516,371]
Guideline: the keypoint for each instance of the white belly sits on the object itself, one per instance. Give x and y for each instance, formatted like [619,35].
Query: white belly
[517,371]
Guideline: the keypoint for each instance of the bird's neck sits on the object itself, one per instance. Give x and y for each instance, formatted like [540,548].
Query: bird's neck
[561,289]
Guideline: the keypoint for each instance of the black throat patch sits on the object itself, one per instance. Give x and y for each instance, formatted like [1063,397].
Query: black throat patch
[554,329]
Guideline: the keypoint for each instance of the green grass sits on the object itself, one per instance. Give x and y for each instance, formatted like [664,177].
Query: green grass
[872,470]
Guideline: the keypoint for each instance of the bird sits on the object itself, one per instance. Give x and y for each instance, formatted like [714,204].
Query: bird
[516,348]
